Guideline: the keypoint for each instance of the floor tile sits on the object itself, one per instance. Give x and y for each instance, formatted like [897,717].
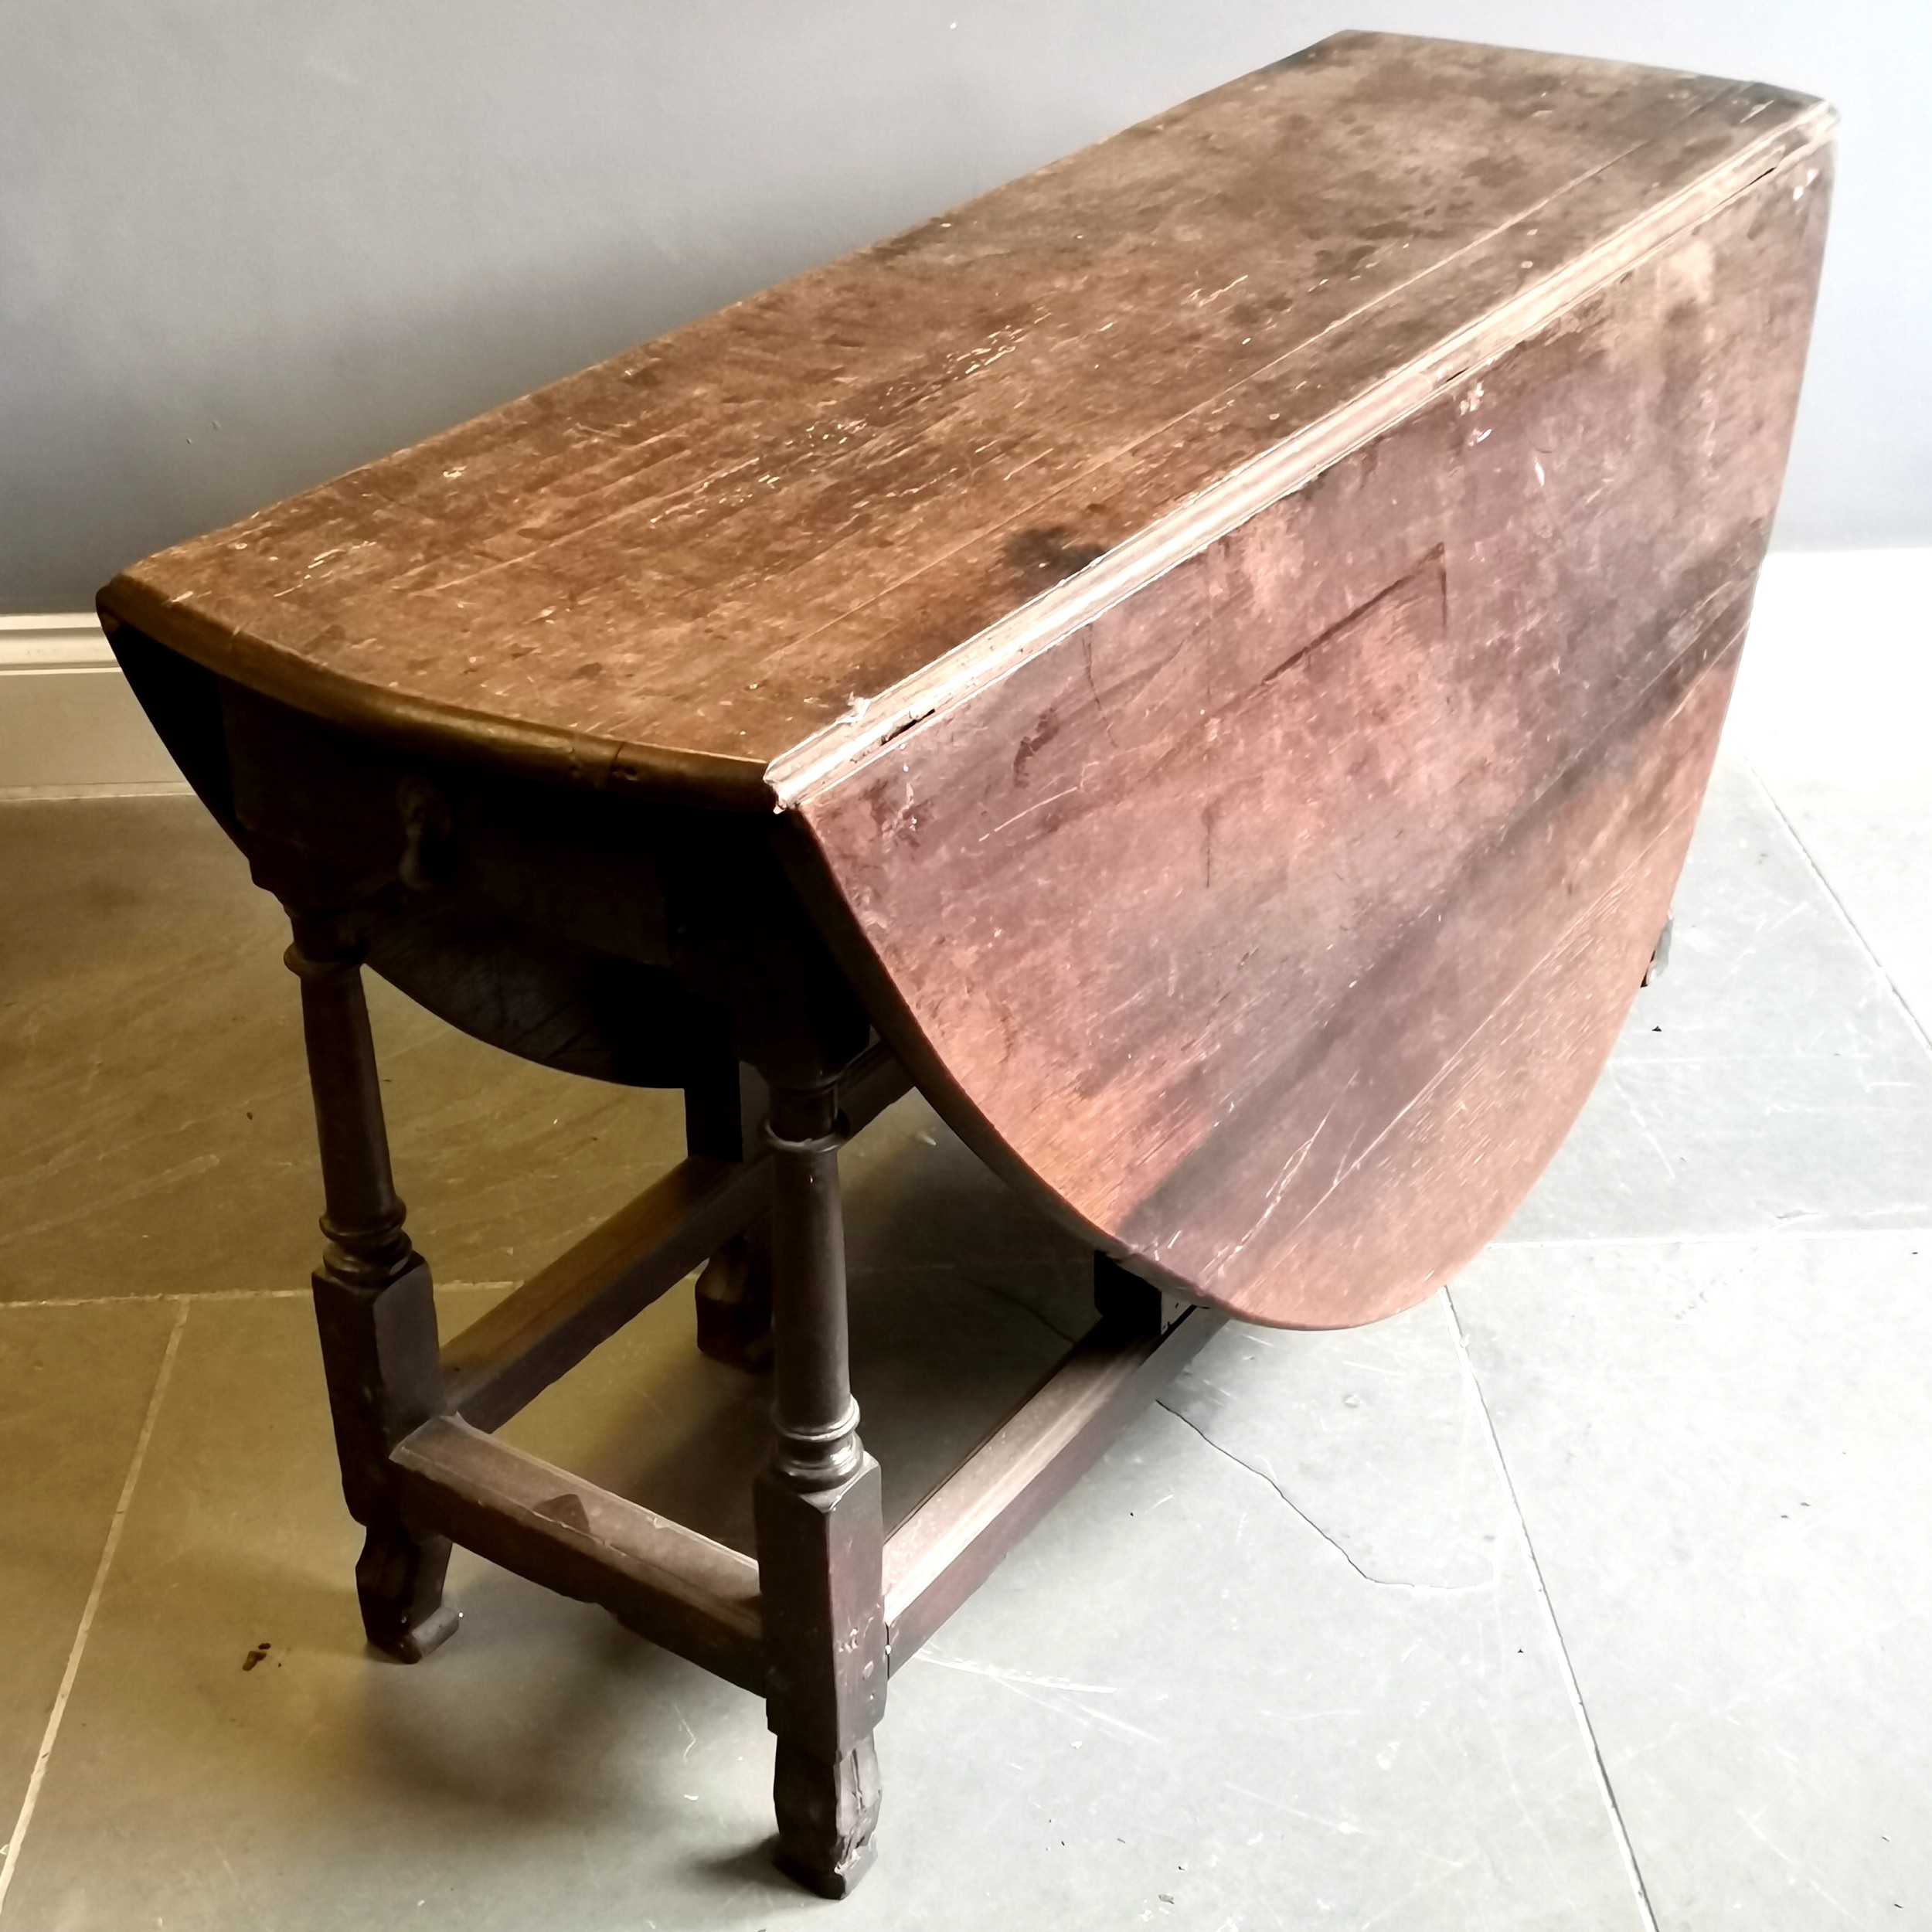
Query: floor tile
[155,1135]
[75,1384]
[1872,844]
[1830,712]
[1178,1702]
[1770,1079]
[1184,1661]
[1372,1433]
[192,1790]
[1719,1448]
[915,1198]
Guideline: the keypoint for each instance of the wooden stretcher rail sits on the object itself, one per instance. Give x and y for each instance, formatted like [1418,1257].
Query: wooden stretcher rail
[701,1598]
[509,1356]
[659,1578]
[952,1543]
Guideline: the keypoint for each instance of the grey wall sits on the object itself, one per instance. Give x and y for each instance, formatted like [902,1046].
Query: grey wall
[245,243]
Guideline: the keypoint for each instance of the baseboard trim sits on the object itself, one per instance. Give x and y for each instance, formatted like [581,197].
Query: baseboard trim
[69,727]
[64,640]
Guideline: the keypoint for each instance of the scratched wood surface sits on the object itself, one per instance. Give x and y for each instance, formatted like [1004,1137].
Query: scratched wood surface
[1228,633]
[1279,923]
[677,567]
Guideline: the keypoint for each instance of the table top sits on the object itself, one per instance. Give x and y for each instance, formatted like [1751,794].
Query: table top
[742,554]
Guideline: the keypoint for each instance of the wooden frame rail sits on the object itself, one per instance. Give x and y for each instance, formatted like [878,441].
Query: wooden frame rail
[507,1357]
[700,1598]
[948,1546]
[657,1578]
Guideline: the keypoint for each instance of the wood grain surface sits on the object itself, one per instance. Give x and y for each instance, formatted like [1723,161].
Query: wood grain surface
[1278,922]
[684,564]
[1227,633]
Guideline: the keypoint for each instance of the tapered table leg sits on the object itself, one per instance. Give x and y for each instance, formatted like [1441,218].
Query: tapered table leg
[820,1532]
[373,1308]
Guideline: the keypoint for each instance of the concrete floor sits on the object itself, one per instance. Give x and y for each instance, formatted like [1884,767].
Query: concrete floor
[1596,1592]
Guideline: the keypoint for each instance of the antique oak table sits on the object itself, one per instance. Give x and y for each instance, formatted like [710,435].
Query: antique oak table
[1205,661]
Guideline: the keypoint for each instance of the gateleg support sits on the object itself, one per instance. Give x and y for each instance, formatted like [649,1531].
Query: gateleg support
[733,1297]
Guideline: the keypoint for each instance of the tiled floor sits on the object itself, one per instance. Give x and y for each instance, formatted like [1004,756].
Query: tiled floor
[1597,1592]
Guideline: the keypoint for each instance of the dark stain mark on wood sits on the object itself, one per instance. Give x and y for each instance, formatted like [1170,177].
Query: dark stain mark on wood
[1049,555]
[1035,741]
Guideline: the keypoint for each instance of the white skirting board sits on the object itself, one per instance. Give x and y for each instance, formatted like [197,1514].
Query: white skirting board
[1838,673]
[69,727]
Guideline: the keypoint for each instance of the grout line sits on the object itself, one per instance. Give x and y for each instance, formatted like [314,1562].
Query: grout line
[114,1528]
[1838,905]
[188,1296]
[184,1299]
[1503,1244]
[82,794]
[1584,1724]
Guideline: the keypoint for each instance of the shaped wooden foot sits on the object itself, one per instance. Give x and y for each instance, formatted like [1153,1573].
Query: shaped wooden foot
[399,1584]
[827,1814]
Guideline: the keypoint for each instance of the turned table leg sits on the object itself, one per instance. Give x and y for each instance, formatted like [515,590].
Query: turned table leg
[373,1308]
[819,1525]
